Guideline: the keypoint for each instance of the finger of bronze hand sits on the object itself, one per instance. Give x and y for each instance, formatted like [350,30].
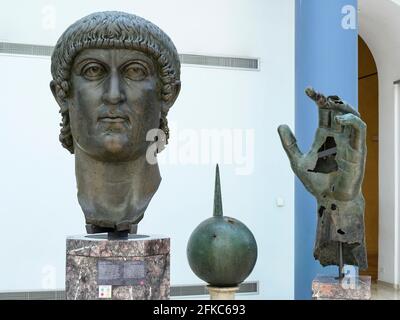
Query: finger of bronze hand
[289,143]
[358,137]
[319,98]
[337,104]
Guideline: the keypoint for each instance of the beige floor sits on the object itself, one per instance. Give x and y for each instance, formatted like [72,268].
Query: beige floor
[381,291]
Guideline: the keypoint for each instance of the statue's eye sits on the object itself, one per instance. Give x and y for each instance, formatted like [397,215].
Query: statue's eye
[136,71]
[93,71]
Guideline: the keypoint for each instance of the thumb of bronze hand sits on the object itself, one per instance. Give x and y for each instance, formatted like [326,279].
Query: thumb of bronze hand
[289,143]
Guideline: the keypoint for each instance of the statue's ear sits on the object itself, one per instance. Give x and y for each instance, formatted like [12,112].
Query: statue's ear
[56,93]
[175,93]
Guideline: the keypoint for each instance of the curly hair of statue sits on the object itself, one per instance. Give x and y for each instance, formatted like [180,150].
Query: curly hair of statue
[112,29]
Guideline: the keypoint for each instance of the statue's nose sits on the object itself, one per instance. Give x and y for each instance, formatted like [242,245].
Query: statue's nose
[113,92]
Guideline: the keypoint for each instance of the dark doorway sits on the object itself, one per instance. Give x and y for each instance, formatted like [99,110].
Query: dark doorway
[368,105]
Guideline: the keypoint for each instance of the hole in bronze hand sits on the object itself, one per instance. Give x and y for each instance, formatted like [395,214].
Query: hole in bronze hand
[326,162]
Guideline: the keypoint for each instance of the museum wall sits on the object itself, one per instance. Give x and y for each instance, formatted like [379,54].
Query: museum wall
[379,25]
[222,115]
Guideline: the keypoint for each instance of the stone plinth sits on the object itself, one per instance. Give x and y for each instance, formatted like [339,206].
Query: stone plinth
[132,269]
[348,288]
[227,293]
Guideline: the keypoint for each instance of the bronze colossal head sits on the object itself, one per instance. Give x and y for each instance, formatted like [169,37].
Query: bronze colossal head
[115,77]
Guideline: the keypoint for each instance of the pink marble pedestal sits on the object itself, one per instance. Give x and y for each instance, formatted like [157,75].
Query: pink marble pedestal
[132,269]
[349,288]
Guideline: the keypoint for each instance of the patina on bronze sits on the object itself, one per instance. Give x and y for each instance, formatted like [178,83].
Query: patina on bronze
[115,77]
[333,172]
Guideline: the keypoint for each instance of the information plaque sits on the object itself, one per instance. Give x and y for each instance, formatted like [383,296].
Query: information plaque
[120,273]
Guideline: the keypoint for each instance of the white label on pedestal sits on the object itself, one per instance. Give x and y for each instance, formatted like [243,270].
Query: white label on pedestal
[105,292]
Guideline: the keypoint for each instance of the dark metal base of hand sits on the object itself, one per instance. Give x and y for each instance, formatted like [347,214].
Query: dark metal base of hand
[341,264]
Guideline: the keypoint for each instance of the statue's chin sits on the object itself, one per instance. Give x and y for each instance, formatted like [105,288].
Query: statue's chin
[115,143]
[113,147]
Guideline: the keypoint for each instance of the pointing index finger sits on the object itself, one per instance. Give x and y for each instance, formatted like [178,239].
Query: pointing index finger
[319,98]
[331,102]
[323,107]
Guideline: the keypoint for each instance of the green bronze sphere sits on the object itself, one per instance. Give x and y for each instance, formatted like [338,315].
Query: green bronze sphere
[222,251]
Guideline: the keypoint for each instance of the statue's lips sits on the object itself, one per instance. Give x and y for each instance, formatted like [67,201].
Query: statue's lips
[113,119]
